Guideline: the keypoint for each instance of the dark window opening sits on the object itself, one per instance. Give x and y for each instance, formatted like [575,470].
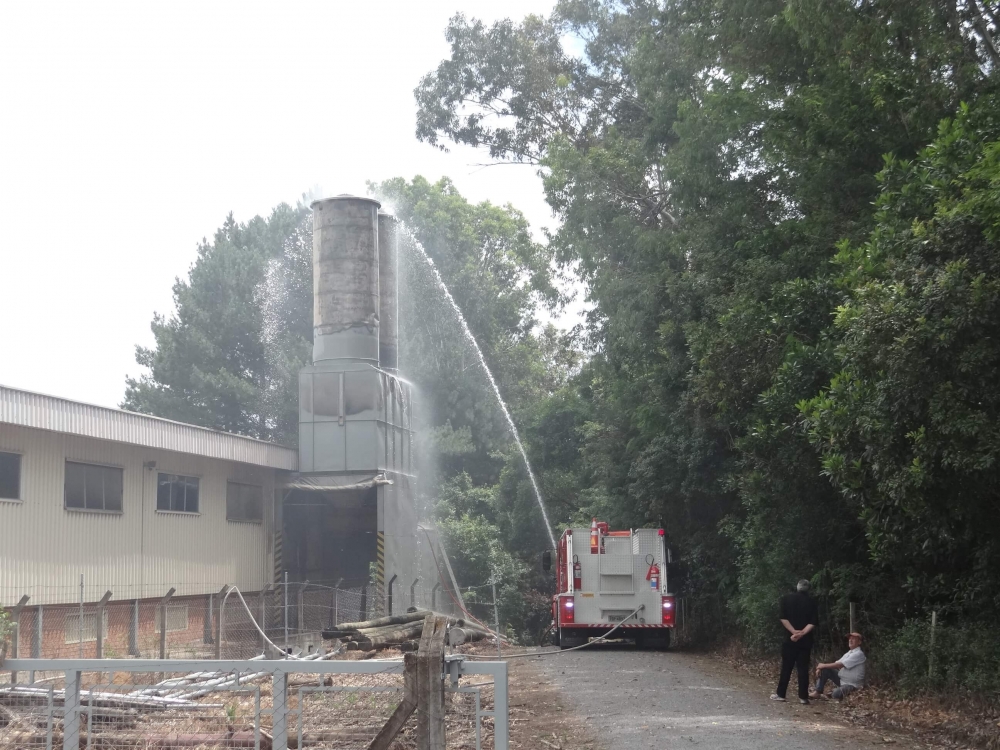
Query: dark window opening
[177,493]
[90,487]
[10,476]
[244,502]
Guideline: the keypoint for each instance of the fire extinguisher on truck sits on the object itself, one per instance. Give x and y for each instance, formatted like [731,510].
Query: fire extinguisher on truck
[618,582]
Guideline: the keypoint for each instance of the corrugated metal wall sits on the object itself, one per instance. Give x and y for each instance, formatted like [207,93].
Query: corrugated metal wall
[36,410]
[138,553]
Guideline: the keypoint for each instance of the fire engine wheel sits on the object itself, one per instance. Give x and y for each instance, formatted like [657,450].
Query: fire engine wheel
[657,640]
[569,639]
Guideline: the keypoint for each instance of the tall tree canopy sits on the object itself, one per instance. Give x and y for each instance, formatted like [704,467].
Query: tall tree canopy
[773,404]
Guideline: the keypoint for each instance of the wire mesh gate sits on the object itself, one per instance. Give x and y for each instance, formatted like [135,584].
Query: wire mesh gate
[261,704]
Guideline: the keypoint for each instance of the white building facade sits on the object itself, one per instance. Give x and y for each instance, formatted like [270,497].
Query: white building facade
[134,504]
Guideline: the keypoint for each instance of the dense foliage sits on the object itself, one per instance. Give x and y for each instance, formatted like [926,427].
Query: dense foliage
[794,340]
[785,215]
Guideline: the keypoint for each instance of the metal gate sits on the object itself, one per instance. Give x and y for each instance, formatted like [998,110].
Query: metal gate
[253,703]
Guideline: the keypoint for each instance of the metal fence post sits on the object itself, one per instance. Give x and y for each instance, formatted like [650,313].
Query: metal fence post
[279,709]
[263,616]
[852,617]
[36,641]
[413,591]
[496,614]
[15,617]
[301,616]
[163,622]
[207,619]
[80,622]
[99,624]
[71,717]
[501,712]
[133,630]
[219,628]
[285,644]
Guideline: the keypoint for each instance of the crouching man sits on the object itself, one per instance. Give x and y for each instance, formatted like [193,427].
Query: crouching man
[848,673]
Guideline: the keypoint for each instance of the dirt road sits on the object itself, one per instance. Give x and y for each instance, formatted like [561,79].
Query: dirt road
[647,700]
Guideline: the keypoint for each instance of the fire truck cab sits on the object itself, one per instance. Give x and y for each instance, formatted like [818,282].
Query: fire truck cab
[606,578]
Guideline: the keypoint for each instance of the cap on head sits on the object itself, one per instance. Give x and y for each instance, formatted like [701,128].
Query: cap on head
[802,586]
[856,635]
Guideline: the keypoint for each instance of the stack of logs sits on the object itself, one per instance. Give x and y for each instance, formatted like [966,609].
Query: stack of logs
[401,631]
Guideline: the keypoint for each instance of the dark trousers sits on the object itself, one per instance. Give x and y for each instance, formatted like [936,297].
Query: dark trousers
[841,691]
[795,654]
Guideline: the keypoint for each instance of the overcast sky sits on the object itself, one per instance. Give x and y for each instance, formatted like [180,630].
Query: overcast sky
[129,130]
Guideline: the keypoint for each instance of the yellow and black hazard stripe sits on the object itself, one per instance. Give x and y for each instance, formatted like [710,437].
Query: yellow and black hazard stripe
[380,560]
[278,561]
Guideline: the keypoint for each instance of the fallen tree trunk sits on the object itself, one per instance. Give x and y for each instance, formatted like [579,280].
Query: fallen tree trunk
[379,622]
[402,632]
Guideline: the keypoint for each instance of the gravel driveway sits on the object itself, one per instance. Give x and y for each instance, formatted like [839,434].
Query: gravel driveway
[648,700]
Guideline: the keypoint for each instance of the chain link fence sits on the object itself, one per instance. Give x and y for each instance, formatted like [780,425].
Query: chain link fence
[297,703]
[74,622]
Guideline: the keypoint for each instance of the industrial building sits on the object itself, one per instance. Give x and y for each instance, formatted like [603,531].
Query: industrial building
[137,505]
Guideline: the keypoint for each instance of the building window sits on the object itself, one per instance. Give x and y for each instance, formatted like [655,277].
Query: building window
[177,493]
[90,487]
[10,476]
[177,617]
[244,502]
[76,634]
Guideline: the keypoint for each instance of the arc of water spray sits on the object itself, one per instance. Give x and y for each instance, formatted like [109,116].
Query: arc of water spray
[482,361]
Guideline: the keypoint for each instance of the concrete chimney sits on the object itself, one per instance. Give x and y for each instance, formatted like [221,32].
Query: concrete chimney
[346,280]
[388,249]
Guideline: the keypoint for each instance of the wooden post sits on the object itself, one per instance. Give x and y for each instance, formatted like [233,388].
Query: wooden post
[99,624]
[852,617]
[15,616]
[430,685]
[163,622]
[219,624]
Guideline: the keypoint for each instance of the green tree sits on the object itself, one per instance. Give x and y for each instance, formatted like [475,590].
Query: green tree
[706,157]
[228,357]
[908,426]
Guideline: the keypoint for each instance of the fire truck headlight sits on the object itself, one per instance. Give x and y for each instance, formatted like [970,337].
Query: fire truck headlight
[569,604]
[667,604]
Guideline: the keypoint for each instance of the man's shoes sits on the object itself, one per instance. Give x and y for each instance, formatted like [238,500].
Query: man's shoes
[814,694]
[804,701]
[776,697]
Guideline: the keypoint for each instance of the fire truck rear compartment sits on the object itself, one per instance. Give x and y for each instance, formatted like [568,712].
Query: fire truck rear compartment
[616,588]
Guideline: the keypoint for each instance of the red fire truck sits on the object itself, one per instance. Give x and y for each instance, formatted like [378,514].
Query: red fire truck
[612,578]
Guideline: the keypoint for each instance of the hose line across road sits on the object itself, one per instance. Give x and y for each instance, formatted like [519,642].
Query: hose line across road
[653,700]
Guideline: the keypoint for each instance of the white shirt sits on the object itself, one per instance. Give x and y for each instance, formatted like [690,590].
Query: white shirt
[853,672]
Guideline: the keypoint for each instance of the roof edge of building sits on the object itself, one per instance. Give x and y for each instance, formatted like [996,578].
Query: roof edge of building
[58,414]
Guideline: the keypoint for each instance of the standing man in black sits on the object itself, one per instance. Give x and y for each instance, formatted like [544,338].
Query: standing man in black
[799,617]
